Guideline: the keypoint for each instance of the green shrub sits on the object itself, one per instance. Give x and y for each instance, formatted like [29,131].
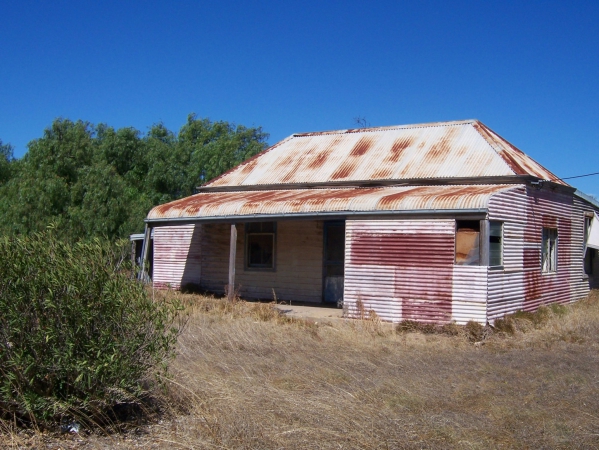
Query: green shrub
[77,335]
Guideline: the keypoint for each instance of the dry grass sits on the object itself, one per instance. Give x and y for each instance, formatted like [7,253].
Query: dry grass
[246,377]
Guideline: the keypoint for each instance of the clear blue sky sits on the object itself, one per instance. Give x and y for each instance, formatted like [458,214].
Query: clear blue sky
[528,70]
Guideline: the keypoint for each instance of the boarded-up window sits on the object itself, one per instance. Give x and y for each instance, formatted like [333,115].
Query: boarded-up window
[467,242]
[549,249]
[495,243]
[260,245]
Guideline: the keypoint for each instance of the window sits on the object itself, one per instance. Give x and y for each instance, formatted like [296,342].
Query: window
[549,250]
[495,243]
[470,242]
[260,245]
[467,242]
[588,252]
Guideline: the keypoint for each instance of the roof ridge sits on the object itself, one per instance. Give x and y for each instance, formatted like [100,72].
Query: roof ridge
[495,140]
[386,128]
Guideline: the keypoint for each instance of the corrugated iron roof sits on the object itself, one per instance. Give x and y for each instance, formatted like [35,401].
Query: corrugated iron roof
[442,150]
[208,205]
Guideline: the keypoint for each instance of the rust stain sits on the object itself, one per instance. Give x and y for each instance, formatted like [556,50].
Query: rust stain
[437,155]
[532,275]
[388,201]
[511,162]
[321,157]
[353,160]
[248,167]
[394,155]
[362,146]
[290,201]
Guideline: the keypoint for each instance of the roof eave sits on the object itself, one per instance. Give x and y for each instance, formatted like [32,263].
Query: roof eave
[504,179]
[314,215]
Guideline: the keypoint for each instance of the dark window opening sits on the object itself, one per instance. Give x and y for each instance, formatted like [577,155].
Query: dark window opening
[495,243]
[549,250]
[588,261]
[589,253]
[467,242]
[260,245]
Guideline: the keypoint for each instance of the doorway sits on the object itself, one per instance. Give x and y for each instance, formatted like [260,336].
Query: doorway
[333,261]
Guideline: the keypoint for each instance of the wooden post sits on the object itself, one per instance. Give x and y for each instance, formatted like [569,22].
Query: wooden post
[232,255]
[144,254]
[484,242]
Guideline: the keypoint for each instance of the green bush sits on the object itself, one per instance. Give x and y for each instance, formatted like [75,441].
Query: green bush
[77,335]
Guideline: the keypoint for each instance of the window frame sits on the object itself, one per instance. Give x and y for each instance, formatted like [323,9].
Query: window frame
[248,235]
[467,226]
[549,241]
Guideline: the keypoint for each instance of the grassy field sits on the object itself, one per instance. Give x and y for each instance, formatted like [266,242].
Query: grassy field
[245,377]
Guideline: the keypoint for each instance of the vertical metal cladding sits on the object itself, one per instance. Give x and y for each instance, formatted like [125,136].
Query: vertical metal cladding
[177,256]
[401,269]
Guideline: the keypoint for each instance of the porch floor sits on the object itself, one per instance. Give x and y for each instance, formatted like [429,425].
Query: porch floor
[311,312]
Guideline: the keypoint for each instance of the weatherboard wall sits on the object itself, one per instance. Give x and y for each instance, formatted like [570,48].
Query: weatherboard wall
[298,262]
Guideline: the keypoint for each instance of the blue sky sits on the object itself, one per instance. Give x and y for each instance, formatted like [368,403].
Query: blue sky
[528,70]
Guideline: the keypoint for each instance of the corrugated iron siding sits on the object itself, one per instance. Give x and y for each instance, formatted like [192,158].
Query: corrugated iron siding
[521,284]
[581,282]
[506,285]
[400,269]
[469,294]
[177,256]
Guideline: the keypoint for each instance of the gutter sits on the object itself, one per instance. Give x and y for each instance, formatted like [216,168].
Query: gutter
[314,215]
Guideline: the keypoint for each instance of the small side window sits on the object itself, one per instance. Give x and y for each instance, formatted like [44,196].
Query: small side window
[495,243]
[549,250]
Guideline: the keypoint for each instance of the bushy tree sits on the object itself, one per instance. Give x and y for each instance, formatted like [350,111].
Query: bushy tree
[99,181]
[77,334]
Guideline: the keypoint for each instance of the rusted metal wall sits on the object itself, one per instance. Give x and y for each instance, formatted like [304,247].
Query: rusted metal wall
[469,294]
[506,284]
[401,269]
[521,283]
[580,281]
[177,256]
[298,259]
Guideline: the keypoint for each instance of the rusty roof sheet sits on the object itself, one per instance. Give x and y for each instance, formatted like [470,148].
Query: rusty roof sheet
[463,149]
[208,205]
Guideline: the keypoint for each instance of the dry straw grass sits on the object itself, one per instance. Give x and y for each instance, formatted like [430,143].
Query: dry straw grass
[248,377]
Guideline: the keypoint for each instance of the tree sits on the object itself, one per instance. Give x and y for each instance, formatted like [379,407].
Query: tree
[100,181]
[6,158]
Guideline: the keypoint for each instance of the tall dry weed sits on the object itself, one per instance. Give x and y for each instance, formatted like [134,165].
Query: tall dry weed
[245,377]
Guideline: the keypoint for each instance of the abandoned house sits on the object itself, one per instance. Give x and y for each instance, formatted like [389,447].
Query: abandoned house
[433,222]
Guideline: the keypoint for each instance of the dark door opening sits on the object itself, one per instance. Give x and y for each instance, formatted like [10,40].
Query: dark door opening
[333,262]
